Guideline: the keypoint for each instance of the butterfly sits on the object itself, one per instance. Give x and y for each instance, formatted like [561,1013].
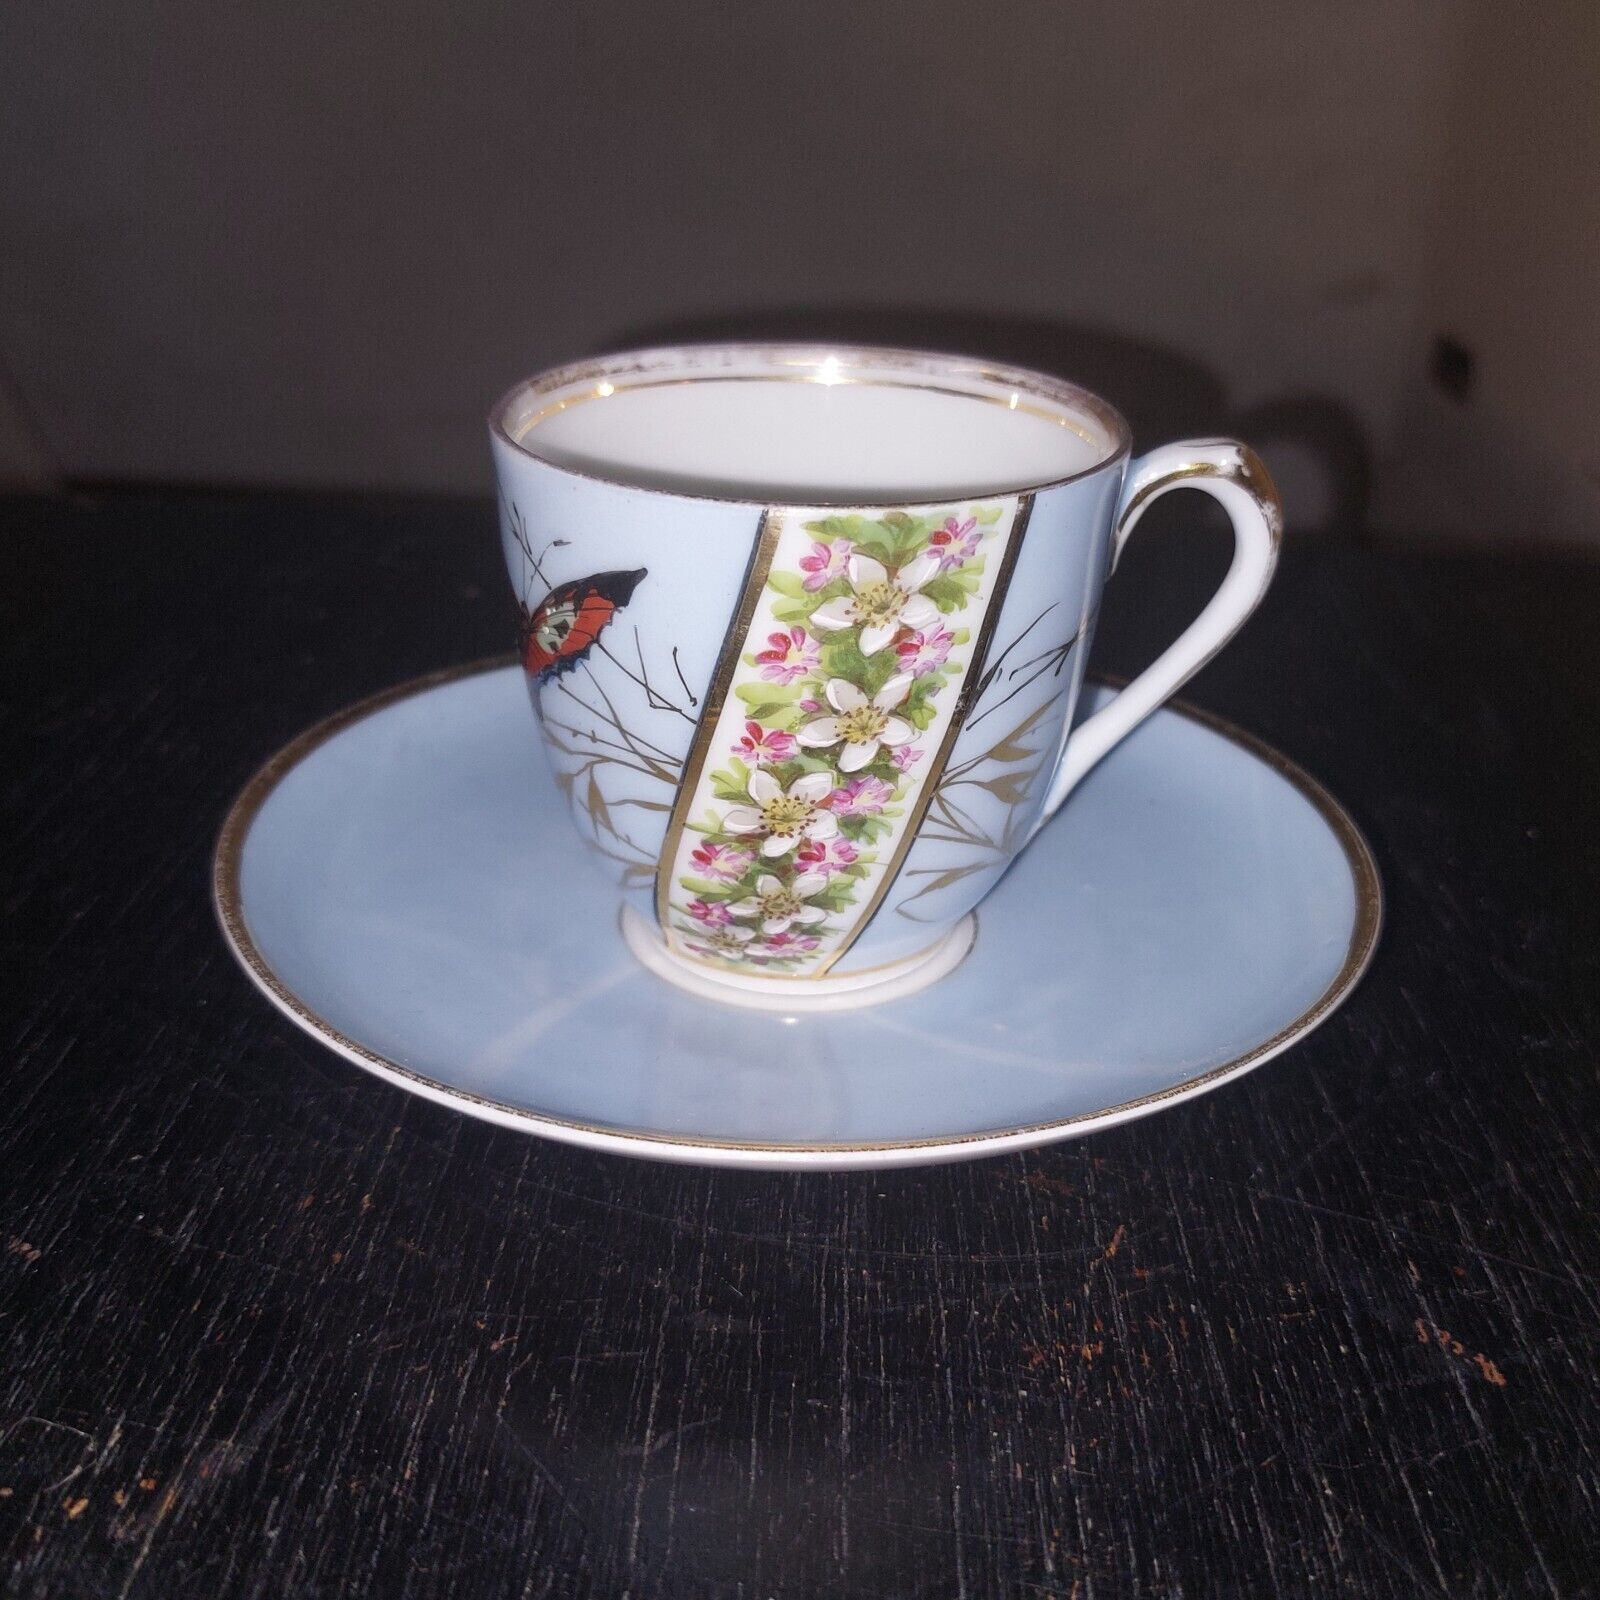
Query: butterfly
[562,629]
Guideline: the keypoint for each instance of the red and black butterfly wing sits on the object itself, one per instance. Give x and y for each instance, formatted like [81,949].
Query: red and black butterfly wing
[561,630]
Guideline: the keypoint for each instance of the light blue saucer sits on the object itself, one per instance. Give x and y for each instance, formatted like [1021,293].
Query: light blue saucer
[403,881]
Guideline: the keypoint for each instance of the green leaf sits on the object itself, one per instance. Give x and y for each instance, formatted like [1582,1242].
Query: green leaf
[855,528]
[950,591]
[732,782]
[910,534]
[785,772]
[842,657]
[836,897]
[986,516]
[764,692]
[866,830]
[711,826]
[788,583]
[881,767]
[876,538]
[921,703]
[706,890]
[880,669]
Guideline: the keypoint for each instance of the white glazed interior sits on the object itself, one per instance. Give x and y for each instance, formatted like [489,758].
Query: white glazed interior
[819,426]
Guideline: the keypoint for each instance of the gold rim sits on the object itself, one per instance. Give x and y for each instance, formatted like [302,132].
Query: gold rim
[1057,399]
[225,888]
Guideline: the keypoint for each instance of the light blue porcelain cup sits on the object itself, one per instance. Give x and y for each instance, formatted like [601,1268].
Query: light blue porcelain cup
[804,629]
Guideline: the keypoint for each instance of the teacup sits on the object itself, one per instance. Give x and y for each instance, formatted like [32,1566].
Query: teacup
[804,629]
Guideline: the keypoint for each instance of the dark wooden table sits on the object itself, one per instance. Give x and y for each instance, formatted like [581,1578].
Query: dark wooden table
[271,1328]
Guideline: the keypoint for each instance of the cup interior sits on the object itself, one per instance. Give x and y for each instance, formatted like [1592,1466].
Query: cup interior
[812,426]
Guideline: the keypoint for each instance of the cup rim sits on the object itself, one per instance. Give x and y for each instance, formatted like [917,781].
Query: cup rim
[1059,393]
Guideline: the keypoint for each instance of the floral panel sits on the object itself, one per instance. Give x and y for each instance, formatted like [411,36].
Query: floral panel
[809,780]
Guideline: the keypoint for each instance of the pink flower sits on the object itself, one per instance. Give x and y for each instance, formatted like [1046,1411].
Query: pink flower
[906,757]
[721,863]
[789,655]
[765,745]
[712,914]
[865,796]
[787,944]
[808,704]
[826,856]
[955,542]
[926,650]
[825,563]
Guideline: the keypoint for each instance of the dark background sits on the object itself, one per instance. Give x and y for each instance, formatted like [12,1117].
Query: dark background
[303,245]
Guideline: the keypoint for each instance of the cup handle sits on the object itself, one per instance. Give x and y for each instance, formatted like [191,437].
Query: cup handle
[1233,474]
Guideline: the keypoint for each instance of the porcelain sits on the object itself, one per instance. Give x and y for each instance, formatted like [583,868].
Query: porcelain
[400,882]
[805,629]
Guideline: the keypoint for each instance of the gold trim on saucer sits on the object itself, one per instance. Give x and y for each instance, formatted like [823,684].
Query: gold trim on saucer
[227,897]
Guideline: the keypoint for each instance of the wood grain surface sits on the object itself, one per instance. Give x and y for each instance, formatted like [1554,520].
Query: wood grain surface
[271,1328]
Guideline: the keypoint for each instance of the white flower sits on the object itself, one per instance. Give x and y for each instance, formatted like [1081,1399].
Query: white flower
[862,724]
[778,905]
[881,605]
[785,817]
[729,943]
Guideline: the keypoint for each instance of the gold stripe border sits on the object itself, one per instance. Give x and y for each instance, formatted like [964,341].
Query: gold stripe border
[768,532]
[958,719]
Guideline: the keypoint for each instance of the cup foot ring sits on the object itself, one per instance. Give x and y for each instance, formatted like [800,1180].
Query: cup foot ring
[793,995]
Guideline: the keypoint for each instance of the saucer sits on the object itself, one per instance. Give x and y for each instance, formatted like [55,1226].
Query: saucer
[403,881]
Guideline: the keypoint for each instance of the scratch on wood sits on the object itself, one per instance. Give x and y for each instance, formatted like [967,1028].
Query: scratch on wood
[1433,1335]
